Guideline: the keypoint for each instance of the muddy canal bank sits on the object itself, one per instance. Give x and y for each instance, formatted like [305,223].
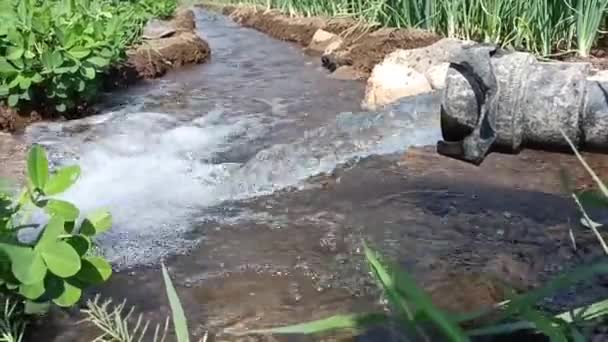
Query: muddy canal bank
[363,46]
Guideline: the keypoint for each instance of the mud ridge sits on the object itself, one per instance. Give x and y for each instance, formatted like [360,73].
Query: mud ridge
[364,46]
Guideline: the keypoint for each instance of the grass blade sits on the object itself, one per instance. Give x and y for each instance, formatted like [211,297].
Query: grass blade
[404,286]
[355,322]
[179,318]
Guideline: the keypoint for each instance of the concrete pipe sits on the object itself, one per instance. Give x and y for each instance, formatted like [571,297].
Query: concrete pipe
[497,102]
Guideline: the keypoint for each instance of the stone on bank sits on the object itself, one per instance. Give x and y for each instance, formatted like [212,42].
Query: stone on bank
[324,42]
[405,73]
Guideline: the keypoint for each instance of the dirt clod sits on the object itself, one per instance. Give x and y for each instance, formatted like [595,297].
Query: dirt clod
[155,57]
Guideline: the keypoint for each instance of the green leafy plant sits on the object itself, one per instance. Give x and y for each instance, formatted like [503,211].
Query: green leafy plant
[53,51]
[57,264]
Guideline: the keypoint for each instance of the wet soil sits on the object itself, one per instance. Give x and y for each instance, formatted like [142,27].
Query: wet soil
[296,255]
[364,46]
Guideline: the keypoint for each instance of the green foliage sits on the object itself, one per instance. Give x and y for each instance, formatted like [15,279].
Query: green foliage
[53,51]
[56,266]
[414,312]
[540,26]
[160,9]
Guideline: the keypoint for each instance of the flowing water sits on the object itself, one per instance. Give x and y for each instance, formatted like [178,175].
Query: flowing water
[259,117]
[211,168]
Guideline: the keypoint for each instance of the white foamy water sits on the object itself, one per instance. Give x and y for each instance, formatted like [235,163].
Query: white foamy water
[156,175]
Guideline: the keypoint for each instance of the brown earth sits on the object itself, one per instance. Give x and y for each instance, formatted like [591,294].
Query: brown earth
[154,57]
[12,158]
[150,59]
[463,232]
[364,46]
[598,57]
[540,170]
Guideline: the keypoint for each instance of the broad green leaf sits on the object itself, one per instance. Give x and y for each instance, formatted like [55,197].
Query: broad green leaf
[80,243]
[79,52]
[15,82]
[4,90]
[94,271]
[62,180]
[56,59]
[6,67]
[61,259]
[69,227]
[63,70]
[25,95]
[96,222]
[69,297]
[88,72]
[13,100]
[29,54]
[37,167]
[61,107]
[37,78]
[339,322]
[25,83]
[62,208]
[107,53]
[177,312]
[18,63]
[54,287]
[98,61]
[52,230]
[27,265]
[32,291]
[593,198]
[47,60]
[13,53]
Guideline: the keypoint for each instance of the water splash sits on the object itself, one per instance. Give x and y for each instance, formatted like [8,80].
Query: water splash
[156,174]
